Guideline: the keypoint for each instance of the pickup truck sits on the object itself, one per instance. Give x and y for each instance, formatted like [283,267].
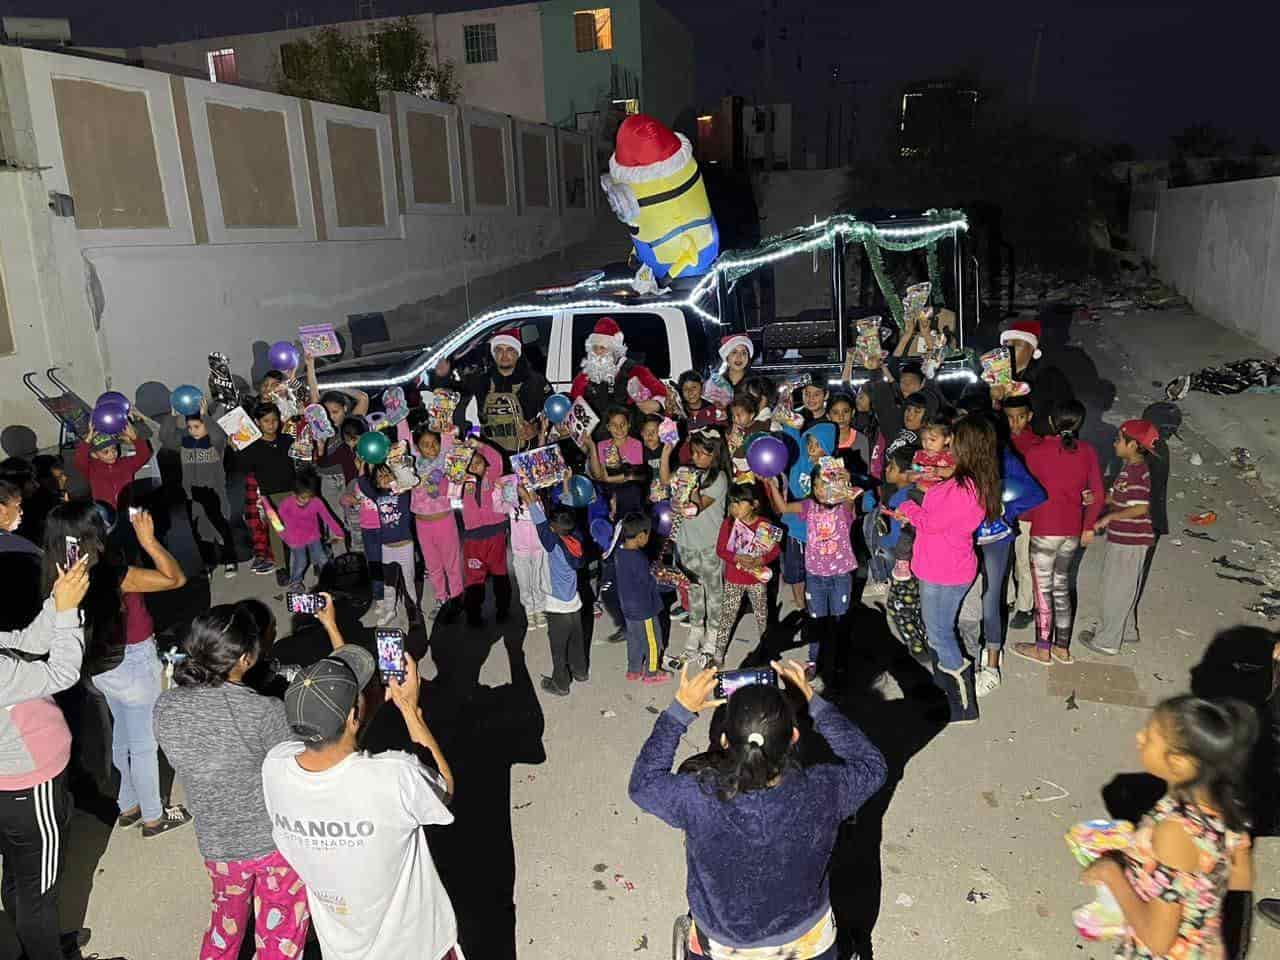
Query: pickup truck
[670,332]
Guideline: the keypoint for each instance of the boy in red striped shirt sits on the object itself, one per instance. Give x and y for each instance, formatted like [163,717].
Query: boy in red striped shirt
[1127,523]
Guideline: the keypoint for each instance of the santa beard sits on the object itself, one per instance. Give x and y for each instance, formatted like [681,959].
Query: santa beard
[601,369]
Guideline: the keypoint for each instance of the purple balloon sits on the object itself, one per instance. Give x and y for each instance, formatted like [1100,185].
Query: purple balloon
[113,397]
[283,355]
[767,456]
[110,418]
[662,518]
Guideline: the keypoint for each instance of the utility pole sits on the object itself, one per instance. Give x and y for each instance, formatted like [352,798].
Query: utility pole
[1034,80]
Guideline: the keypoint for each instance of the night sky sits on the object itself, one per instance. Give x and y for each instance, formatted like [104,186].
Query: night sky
[1129,75]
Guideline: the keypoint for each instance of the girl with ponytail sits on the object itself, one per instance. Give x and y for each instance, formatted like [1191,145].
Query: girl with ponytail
[759,830]
[1068,470]
[216,731]
[1190,856]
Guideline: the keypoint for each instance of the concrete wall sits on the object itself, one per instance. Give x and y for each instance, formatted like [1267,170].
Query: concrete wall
[514,83]
[123,305]
[579,82]
[1219,246]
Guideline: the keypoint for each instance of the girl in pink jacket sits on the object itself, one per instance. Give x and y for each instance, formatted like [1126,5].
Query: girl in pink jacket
[484,535]
[434,518]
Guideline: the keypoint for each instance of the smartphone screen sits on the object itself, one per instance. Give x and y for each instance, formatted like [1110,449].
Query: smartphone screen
[72,553]
[304,602]
[390,654]
[732,680]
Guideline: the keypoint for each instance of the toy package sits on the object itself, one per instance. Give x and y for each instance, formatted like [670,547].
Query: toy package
[784,411]
[866,347]
[320,340]
[668,431]
[836,477]
[540,467]
[683,486]
[456,462]
[222,386]
[403,467]
[657,489]
[441,405]
[997,370]
[506,491]
[318,422]
[675,400]
[581,421]
[1101,918]
[717,390]
[769,535]
[303,448]
[754,543]
[239,428]
[394,405]
[637,391]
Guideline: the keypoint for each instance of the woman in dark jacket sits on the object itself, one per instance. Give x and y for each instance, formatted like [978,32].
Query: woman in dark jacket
[759,830]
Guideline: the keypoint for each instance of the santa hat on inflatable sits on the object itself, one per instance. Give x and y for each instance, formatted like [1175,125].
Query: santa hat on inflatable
[607,334]
[733,342]
[646,149]
[508,337]
[1028,330]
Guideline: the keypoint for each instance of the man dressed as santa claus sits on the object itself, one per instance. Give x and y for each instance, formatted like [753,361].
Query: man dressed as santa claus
[608,378]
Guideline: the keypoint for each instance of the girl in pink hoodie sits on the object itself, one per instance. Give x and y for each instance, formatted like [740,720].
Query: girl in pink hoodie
[484,535]
[434,518]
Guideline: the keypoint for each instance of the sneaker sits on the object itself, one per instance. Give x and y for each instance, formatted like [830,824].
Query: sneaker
[580,677]
[126,820]
[652,678]
[679,615]
[282,577]
[987,680]
[1021,620]
[1270,911]
[551,687]
[706,661]
[229,570]
[875,590]
[599,609]
[902,570]
[618,636]
[387,614]
[172,818]
[263,567]
[635,675]
[1086,638]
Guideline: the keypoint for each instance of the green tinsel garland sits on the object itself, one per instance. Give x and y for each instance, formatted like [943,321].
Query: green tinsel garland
[876,256]
[935,275]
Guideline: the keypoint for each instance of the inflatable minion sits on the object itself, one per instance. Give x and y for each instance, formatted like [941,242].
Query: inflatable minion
[655,188]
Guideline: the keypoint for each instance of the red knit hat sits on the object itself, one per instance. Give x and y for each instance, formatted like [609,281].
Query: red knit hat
[646,149]
[607,334]
[507,337]
[1142,432]
[1027,330]
[733,341]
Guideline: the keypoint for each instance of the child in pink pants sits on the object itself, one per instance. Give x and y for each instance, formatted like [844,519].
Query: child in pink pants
[434,517]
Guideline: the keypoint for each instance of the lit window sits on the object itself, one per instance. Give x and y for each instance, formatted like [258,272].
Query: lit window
[481,42]
[628,107]
[593,29]
[222,66]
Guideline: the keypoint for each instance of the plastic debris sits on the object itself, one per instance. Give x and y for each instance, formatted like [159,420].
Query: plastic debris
[1241,456]
[905,900]
[642,943]
[1071,702]
[608,714]
[623,882]
[977,896]
[1195,459]
[1228,564]
[1206,519]
[1199,535]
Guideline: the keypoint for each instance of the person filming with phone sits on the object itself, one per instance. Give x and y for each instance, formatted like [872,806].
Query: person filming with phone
[350,823]
[759,829]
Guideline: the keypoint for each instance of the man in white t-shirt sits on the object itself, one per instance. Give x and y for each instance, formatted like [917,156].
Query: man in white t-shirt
[350,824]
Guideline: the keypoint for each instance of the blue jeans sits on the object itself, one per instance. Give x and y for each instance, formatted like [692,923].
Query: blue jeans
[131,690]
[299,557]
[940,605]
[995,567]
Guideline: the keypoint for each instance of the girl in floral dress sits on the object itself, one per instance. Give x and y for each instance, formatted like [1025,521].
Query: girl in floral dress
[1192,848]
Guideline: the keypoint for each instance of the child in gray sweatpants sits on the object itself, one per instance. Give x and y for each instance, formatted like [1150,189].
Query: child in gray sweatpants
[1130,535]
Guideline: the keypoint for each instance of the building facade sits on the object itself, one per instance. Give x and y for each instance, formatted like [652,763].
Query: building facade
[572,65]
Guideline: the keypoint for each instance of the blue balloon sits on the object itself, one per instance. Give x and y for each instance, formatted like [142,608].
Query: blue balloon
[583,490]
[557,408]
[186,400]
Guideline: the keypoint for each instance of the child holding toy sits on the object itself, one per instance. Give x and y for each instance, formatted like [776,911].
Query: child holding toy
[484,535]
[434,518]
[744,572]
[302,512]
[99,461]
[268,460]
[1191,857]
[565,556]
[201,445]
[390,543]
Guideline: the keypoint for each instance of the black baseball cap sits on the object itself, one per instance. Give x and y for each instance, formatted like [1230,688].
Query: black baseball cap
[320,697]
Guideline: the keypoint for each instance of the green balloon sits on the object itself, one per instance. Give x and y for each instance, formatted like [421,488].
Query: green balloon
[373,447]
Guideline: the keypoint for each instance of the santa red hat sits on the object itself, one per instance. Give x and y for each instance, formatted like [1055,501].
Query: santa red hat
[507,337]
[1028,330]
[647,149]
[733,341]
[607,334]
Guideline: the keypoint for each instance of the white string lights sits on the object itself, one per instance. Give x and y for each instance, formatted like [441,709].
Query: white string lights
[920,231]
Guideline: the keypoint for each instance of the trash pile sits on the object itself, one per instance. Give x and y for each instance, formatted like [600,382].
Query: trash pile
[1253,374]
[1137,290]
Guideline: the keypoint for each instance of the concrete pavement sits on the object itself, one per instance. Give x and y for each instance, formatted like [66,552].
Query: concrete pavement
[968,860]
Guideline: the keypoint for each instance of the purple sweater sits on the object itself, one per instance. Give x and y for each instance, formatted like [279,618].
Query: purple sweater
[757,864]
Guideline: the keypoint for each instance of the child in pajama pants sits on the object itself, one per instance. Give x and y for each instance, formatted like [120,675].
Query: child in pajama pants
[391,543]
[433,515]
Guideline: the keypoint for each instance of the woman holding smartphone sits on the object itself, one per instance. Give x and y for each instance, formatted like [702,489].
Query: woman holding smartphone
[216,731]
[758,831]
[120,648]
